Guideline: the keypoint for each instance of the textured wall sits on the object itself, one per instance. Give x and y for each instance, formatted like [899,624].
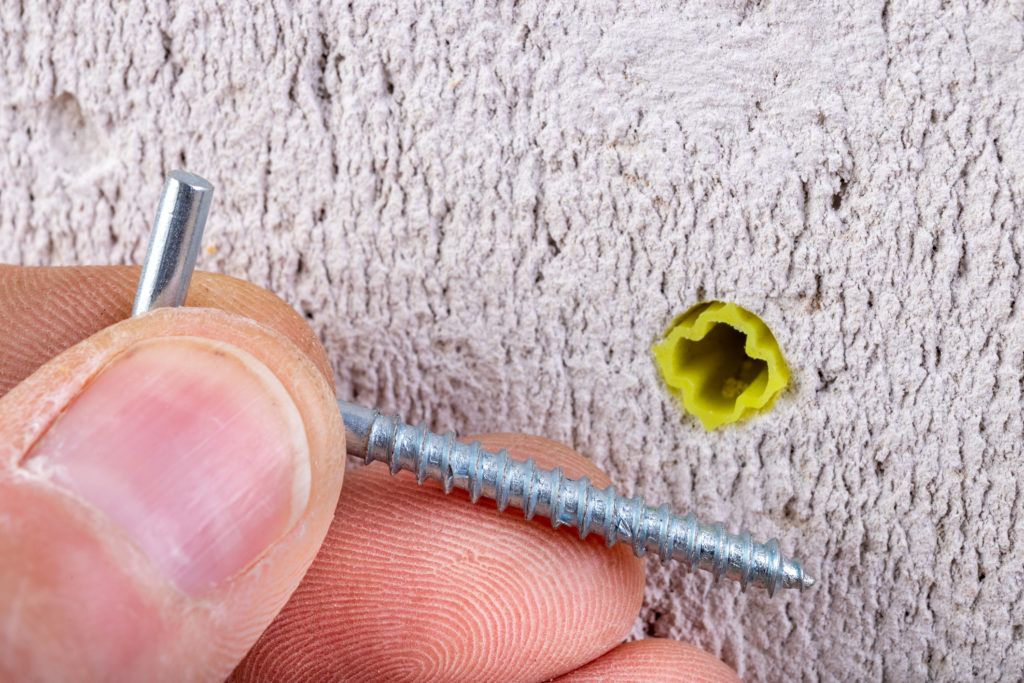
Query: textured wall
[489,211]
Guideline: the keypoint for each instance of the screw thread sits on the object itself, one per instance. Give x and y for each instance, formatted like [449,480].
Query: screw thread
[570,502]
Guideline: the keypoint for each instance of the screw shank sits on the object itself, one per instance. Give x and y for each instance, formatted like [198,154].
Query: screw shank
[569,502]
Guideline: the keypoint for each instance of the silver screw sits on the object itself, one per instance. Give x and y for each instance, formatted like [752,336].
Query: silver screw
[565,501]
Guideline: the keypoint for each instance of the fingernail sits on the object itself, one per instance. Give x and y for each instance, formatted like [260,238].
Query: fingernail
[193,447]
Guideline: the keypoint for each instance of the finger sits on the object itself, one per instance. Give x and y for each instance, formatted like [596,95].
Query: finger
[412,584]
[163,486]
[46,310]
[654,660]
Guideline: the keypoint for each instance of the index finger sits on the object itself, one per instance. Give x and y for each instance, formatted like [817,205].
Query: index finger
[48,309]
[412,584]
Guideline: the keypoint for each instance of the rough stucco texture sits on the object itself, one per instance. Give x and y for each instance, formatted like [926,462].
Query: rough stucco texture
[489,212]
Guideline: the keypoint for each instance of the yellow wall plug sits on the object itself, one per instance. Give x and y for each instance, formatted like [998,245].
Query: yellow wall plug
[722,362]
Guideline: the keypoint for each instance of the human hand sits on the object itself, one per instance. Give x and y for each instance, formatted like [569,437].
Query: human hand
[166,482]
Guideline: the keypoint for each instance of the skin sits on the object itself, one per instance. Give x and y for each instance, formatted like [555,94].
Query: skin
[395,607]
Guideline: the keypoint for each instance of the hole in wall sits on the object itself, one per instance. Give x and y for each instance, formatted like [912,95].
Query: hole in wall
[720,366]
[722,361]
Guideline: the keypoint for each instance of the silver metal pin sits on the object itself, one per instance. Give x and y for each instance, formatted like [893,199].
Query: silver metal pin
[549,493]
[174,243]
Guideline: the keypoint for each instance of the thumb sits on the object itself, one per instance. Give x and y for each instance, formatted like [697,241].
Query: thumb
[164,485]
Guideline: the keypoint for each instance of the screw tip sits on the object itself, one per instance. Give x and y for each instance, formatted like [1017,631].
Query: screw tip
[791,574]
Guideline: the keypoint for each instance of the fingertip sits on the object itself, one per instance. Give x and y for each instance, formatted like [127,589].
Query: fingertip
[214,290]
[46,310]
[655,660]
[199,379]
[455,590]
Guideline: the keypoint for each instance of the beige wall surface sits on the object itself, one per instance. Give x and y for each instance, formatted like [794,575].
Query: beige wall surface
[489,211]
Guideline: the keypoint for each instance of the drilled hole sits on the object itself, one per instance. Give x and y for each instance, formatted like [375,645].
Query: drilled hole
[721,368]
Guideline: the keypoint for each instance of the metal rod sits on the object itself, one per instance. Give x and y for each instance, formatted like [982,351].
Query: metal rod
[174,243]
